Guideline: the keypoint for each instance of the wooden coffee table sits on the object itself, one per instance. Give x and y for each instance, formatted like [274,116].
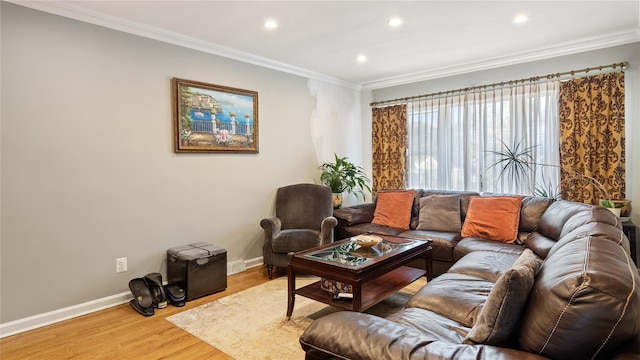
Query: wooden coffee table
[373,273]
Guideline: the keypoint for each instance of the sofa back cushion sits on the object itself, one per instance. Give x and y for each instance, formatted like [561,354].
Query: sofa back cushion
[499,318]
[539,244]
[591,215]
[563,217]
[393,208]
[440,213]
[493,218]
[531,211]
[586,298]
[420,193]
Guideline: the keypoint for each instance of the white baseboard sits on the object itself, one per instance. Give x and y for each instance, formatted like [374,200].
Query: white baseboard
[235,267]
[251,263]
[52,317]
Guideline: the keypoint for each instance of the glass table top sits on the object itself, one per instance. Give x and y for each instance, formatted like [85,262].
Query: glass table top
[350,254]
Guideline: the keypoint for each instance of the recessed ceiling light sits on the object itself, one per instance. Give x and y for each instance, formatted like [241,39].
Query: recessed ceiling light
[520,19]
[361,58]
[395,22]
[270,24]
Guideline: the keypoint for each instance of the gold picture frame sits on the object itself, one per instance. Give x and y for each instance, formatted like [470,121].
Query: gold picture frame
[214,118]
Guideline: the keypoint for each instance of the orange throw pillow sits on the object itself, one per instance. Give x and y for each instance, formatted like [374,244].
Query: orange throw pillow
[493,218]
[393,208]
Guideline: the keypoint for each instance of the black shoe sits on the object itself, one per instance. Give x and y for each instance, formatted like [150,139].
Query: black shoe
[175,295]
[154,283]
[142,301]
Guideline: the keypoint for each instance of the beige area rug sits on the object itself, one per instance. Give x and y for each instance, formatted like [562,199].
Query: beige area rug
[252,324]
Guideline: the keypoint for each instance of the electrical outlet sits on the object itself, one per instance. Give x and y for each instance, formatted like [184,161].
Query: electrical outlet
[121,265]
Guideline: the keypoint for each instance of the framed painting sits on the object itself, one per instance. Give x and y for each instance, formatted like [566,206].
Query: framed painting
[214,118]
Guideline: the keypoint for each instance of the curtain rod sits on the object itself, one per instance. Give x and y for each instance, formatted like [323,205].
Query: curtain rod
[622,66]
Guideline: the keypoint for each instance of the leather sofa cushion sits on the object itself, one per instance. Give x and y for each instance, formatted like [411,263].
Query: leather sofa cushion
[539,244]
[557,215]
[442,242]
[353,335]
[553,219]
[458,297]
[353,216]
[601,230]
[440,213]
[531,211]
[471,244]
[586,283]
[488,265]
[434,325]
[356,335]
[499,318]
[592,214]
[493,217]
[522,236]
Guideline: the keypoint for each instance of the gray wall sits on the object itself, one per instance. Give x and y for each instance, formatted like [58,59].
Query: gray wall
[629,53]
[88,169]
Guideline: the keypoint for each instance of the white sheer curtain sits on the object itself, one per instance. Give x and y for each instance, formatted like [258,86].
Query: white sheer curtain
[452,138]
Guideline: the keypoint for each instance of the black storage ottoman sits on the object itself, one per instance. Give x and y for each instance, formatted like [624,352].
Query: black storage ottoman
[200,268]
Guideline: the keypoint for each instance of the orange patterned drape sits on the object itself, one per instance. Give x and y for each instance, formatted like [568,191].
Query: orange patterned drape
[592,140]
[389,128]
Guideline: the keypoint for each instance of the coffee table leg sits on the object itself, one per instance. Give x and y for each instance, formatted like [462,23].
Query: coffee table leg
[429,266]
[291,293]
[356,302]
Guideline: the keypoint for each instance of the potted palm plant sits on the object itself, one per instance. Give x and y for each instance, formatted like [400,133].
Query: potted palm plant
[343,175]
[517,162]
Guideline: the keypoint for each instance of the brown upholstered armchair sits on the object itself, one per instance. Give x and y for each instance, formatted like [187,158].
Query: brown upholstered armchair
[304,219]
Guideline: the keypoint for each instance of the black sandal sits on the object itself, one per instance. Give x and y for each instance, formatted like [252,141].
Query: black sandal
[142,301]
[154,283]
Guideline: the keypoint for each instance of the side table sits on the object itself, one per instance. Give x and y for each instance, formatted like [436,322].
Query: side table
[629,229]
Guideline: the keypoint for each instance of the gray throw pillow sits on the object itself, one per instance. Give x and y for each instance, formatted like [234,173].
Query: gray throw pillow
[440,213]
[499,319]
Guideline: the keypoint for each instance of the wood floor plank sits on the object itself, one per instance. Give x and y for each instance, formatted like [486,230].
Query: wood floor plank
[122,333]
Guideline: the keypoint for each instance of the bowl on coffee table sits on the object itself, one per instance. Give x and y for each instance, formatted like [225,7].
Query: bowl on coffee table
[366,240]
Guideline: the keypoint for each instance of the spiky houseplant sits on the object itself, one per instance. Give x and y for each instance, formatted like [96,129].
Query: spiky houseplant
[344,176]
[517,162]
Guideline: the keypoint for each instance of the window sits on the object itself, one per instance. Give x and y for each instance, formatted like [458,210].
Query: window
[451,139]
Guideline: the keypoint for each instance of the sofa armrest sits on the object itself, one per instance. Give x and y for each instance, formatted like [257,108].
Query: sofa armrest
[352,335]
[356,214]
[271,226]
[326,229]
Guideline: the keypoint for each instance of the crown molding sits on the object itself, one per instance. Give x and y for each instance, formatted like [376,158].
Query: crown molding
[69,10]
[594,43]
[72,11]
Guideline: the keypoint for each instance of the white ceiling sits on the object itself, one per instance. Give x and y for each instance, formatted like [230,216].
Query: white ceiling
[321,39]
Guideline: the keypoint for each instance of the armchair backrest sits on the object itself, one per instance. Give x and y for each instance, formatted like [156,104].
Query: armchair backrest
[303,206]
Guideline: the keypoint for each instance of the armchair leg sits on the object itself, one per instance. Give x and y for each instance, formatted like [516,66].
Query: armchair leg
[270,271]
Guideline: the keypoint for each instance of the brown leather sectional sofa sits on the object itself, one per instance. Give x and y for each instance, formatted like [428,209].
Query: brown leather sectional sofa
[584,302]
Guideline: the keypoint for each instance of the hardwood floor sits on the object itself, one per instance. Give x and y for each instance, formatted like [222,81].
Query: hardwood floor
[122,333]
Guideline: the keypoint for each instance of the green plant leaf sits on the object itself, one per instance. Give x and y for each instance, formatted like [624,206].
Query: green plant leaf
[343,175]
[516,162]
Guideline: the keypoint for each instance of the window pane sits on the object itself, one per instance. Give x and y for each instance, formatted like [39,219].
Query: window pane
[453,140]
